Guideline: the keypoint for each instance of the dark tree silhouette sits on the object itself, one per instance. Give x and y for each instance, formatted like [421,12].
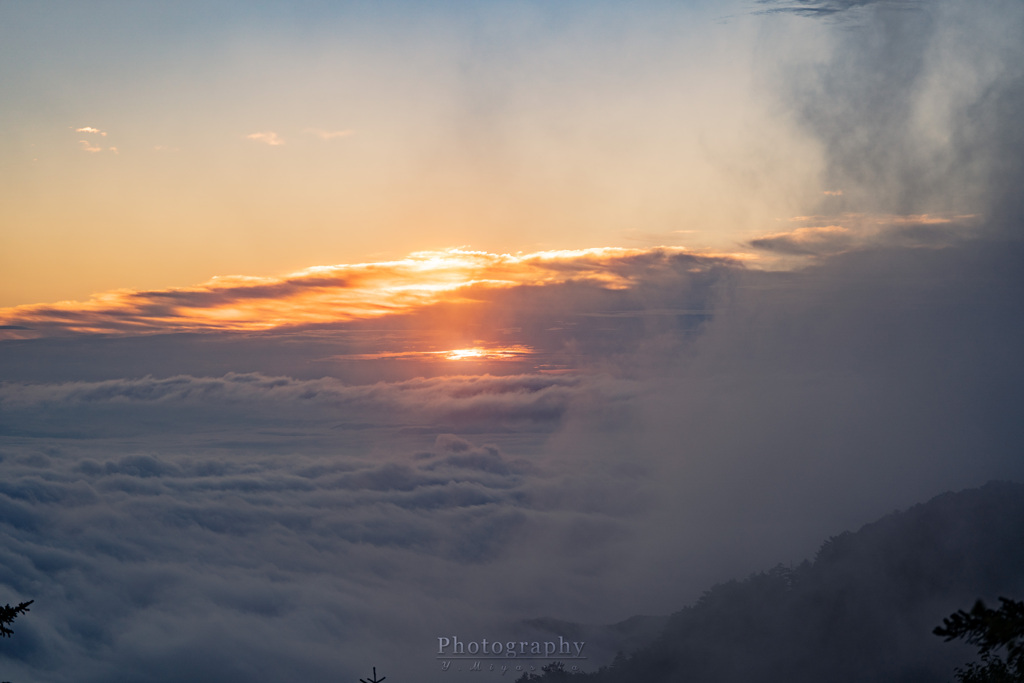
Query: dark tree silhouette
[555,671]
[7,616]
[991,630]
[374,679]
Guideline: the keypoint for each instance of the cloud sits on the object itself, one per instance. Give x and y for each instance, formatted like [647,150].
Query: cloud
[522,403]
[823,8]
[354,542]
[91,147]
[861,231]
[876,376]
[914,111]
[335,294]
[328,135]
[266,137]
[830,239]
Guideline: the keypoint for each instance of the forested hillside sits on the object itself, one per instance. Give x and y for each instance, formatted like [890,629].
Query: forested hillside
[863,610]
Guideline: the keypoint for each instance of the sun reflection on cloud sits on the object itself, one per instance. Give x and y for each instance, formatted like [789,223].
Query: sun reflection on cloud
[461,354]
[493,353]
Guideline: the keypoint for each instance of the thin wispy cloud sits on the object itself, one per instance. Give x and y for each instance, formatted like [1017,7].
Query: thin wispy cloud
[454,400]
[830,234]
[267,137]
[90,129]
[328,134]
[829,239]
[819,8]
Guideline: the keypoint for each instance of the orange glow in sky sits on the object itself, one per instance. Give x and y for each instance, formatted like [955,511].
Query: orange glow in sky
[482,353]
[326,294]
[461,354]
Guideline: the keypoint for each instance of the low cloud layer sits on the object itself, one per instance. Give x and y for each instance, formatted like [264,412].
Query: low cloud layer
[178,527]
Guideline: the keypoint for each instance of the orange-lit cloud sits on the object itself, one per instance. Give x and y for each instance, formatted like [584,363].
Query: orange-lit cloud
[487,353]
[852,230]
[88,146]
[91,147]
[922,219]
[339,293]
[828,239]
[852,219]
[479,353]
[267,137]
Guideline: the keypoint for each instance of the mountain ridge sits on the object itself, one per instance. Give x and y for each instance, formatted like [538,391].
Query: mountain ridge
[863,609]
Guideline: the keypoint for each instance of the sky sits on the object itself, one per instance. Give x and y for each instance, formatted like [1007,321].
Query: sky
[331,329]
